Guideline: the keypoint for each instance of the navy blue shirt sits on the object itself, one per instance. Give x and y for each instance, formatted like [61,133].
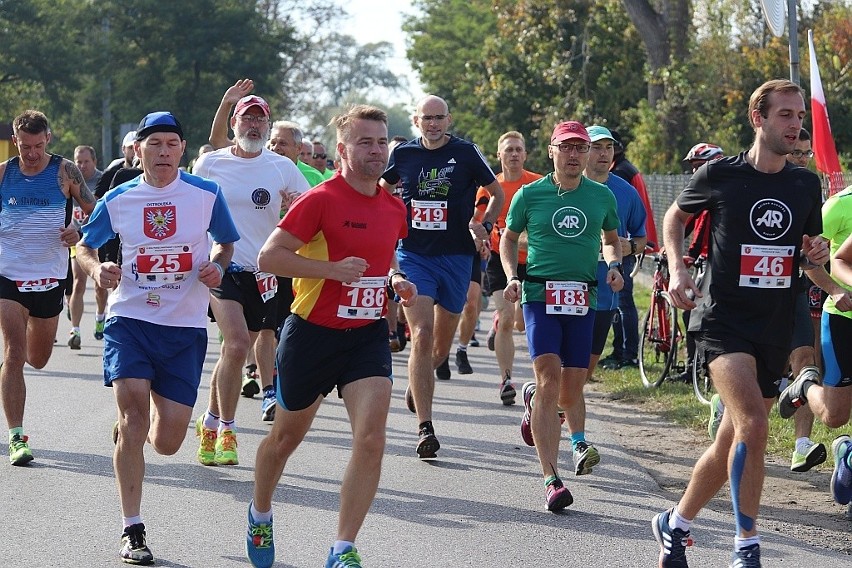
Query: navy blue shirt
[439,190]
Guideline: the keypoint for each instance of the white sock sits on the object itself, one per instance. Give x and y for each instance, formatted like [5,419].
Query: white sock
[226,425]
[676,521]
[462,347]
[211,421]
[740,543]
[100,317]
[129,521]
[802,445]
[260,517]
[341,545]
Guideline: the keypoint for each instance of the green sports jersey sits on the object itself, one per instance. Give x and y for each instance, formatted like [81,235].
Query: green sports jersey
[836,227]
[564,230]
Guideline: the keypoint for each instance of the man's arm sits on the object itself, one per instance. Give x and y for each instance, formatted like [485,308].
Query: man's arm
[278,256]
[72,179]
[495,205]
[680,280]
[509,260]
[611,250]
[211,272]
[219,128]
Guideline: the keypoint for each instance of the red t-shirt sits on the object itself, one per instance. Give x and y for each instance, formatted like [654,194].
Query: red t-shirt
[335,221]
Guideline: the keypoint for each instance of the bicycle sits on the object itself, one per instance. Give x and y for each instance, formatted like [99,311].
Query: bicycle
[661,332]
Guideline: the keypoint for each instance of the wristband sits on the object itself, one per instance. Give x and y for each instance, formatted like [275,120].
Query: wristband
[513,278]
[488,226]
[219,268]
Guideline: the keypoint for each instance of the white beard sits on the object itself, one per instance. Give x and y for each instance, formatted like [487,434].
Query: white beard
[250,145]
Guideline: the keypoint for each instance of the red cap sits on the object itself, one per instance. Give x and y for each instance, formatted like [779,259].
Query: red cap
[252,100]
[568,130]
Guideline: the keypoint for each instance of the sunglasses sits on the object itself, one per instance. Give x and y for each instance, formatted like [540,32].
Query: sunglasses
[319,156]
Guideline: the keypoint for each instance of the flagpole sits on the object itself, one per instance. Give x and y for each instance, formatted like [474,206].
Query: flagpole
[793,34]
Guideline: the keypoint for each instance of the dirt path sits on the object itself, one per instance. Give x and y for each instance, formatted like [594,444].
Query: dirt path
[792,503]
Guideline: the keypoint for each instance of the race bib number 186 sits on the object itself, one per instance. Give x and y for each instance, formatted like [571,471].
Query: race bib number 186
[364,299]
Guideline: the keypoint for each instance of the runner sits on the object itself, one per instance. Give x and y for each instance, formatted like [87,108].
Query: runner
[155,339]
[765,220]
[564,215]
[37,192]
[337,242]
[257,184]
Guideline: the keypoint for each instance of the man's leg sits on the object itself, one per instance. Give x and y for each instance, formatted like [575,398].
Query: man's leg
[504,343]
[806,454]
[367,402]
[75,302]
[421,380]
[629,314]
[132,399]
[467,326]
[544,419]
[226,377]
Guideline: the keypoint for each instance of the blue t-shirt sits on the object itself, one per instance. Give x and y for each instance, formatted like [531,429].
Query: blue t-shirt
[439,190]
[631,217]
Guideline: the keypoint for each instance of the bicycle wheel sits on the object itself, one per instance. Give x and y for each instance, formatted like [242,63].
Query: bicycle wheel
[658,344]
[701,383]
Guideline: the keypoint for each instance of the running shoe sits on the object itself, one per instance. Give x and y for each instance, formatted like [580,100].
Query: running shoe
[260,546]
[409,400]
[427,445]
[442,373]
[717,411]
[673,542]
[507,391]
[609,362]
[632,363]
[491,338]
[462,363]
[267,406]
[557,495]
[814,455]
[99,329]
[794,395]
[226,448]
[133,547]
[748,557]
[586,457]
[841,478]
[527,391]
[251,386]
[474,342]
[394,343]
[19,450]
[207,448]
[349,558]
[74,340]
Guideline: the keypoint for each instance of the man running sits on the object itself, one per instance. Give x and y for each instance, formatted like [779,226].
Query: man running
[337,242]
[37,192]
[155,339]
[564,215]
[257,184]
[765,224]
[440,174]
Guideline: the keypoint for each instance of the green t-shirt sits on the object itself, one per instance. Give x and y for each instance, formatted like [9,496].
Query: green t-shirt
[564,231]
[311,174]
[327,173]
[836,227]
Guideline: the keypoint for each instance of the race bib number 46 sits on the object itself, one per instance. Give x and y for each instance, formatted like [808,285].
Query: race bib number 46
[566,298]
[164,263]
[429,215]
[364,299]
[764,266]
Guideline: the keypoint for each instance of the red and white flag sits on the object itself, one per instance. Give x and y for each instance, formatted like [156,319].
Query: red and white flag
[825,152]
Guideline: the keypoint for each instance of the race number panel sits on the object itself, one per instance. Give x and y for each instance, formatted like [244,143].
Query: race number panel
[267,285]
[429,215]
[364,299]
[763,266]
[38,285]
[566,298]
[163,263]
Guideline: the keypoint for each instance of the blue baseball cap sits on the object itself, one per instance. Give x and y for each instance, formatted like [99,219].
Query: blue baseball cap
[161,121]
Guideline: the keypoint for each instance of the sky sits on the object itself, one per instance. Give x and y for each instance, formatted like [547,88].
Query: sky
[381,20]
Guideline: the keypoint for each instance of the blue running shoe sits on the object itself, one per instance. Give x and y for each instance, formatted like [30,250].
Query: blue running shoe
[349,558]
[260,547]
[673,542]
[841,479]
[748,557]
[267,407]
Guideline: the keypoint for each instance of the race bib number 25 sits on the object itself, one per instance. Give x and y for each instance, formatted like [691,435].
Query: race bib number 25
[164,263]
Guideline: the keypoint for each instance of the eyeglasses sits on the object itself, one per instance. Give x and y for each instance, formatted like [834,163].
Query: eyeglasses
[801,153]
[320,156]
[254,119]
[566,147]
[431,117]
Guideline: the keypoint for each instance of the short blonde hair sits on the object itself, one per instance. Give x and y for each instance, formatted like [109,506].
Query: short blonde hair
[343,122]
[511,134]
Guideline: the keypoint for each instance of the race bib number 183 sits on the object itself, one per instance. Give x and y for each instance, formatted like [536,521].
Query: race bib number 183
[566,298]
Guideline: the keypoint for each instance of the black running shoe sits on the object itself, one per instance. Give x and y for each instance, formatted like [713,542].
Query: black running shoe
[428,446]
[673,542]
[133,547]
[462,363]
[748,557]
[442,373]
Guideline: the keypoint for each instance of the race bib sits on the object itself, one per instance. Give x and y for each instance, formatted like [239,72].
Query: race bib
[267,285]
[79,215]
[763,266]
[364,299]
[39,285]
[566,298]
[164,263]
[429,215]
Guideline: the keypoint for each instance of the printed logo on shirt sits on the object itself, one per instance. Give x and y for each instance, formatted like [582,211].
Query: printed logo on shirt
[770,219]
[451,161]
[160,221]
[435,182]
[261,197]
[569,222]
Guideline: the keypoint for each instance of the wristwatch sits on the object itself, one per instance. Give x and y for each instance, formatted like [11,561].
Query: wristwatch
[617,266]
[488,226]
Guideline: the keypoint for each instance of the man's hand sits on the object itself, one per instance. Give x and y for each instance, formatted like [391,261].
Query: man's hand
[239,89]
[69,235]
[512,291]
[349,270]
[107,275]
[815,250]
[210,274]
[614,279]
[407,291]
[682,289]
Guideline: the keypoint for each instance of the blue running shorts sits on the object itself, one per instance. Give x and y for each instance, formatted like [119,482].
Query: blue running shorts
[570,337]
[444,278]
[836,338]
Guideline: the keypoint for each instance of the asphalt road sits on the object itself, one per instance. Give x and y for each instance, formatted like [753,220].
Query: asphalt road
[480,504]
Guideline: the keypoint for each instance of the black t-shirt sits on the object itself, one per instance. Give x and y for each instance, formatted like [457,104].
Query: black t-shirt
[756,225]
